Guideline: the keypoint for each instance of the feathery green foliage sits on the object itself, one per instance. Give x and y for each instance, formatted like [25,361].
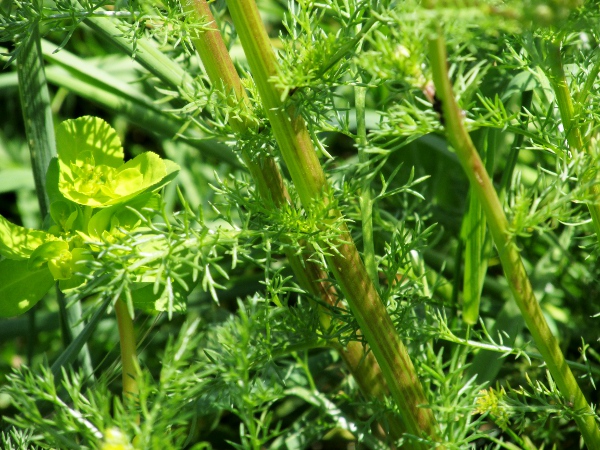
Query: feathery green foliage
[247,334]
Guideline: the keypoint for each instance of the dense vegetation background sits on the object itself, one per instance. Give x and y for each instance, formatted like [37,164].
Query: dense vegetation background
[234,350]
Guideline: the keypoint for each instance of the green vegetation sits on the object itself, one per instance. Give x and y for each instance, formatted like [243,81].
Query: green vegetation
[284,225]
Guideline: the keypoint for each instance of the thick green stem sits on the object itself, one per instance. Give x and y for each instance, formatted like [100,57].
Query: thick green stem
[218,64]
[563,98]
[221,71]
[507,250]
[289,129]
[570,120]
[129,359]
[366,202]
[301,159]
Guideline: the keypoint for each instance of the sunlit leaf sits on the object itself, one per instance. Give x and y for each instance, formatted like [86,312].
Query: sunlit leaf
[21,287]
[18,242]
[91,168]
[57,255]
[91,137]
[121,216]
[79,257]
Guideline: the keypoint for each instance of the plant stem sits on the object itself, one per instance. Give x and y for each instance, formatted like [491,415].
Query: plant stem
[507,250]
[221,71]
[307,174]
[570,120]
[37,114]
[39,128]
[563,98]
[129,359]
[509,321]
[366,202]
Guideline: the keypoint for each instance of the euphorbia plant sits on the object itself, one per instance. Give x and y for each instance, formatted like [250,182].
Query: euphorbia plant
[92,193]
[94,197]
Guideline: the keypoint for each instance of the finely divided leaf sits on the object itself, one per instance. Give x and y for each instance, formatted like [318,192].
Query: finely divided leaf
[120,216]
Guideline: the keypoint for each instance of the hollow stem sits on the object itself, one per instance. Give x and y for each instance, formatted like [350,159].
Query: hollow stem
[129,359]
[508,252]
[366,201]
[344,261]
[569,116]
[266,173]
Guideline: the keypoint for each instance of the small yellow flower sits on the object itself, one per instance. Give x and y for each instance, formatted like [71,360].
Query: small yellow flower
[114,439]
[492,401]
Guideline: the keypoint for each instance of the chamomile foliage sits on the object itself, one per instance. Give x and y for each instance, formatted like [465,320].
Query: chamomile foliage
[17,440]
[262,373]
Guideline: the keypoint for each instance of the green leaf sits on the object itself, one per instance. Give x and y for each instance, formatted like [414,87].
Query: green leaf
[79,256]
[142,172]
[18,242]
[474,234]
[65,215]
[155,173]
[45,252]
[20,287]
[91,171]
[128,181]
[89,153]
[58,256]
[105,220]
[172,169]
[52,179]
[87,136]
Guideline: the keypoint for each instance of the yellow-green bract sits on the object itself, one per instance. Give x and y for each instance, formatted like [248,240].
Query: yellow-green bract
[91,167]
[90,188]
